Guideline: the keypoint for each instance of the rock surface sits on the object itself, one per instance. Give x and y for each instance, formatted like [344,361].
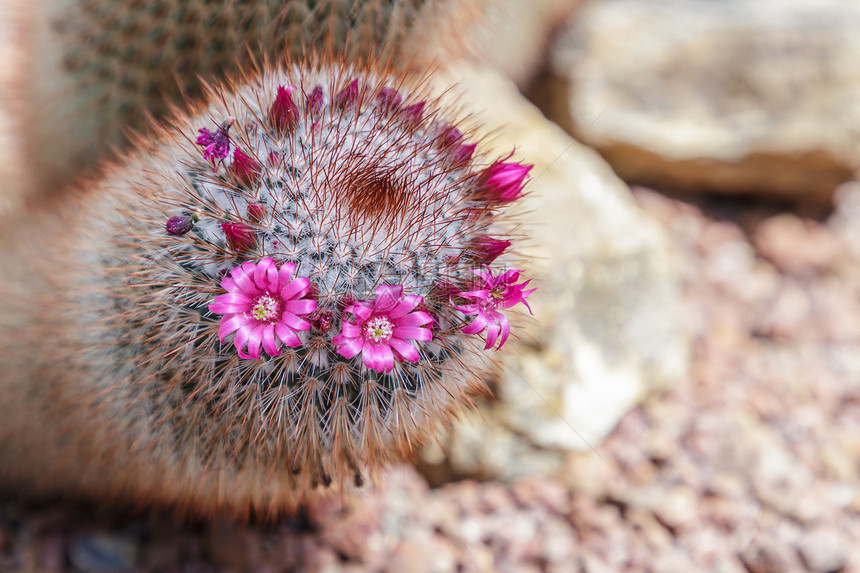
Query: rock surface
[607,328]
[724,96]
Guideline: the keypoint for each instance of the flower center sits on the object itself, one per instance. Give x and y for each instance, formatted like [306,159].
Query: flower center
[378,329]
[499,291]
[266,309]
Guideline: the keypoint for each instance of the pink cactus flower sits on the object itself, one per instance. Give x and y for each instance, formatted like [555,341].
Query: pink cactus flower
[498,292]
[503,182]
[216,146]
[284,114]
[264,307]
[244,167]
[384,329]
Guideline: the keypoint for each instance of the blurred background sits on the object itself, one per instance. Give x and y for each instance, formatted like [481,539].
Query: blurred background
[687,397]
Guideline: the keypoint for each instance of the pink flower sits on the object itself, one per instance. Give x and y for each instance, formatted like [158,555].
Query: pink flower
[239,236]
[498,292]
[384,328]
[503,182]
[245,167]
[264,307]
[284,114]
[216,146]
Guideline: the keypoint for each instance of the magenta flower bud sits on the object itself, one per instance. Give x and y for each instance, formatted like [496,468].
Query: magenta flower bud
[348,96]
[487,249]
[179,225]
[284,115]
[413,113]
[239,236]
[503,182]
[256,212]
[463,153]
[274,159]
[389,99]
[450,136]
[321,320]
[315,101]
[216,146]
[244,167]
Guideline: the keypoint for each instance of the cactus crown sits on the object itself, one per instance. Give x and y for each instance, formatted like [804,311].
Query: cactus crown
[312,275]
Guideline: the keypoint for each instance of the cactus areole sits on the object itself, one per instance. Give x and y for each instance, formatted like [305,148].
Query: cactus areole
[343,286]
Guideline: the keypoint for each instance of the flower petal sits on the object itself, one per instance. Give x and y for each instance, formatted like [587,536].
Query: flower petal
[287,335]
[348,347]
[240,340]
[270,345]
[378,357]
[412,333]
[260,272]
[254,341]
[296,288]
[387,297]
[231,303]
[405,350]
[287,270]
[242,275]
[418,318]
[294,322]
[231,324]
[301,306]
[476,326]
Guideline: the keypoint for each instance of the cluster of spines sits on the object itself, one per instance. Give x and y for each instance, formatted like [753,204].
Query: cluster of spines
[340,372]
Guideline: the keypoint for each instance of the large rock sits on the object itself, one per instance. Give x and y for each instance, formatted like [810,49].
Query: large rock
[730,96]
[606,330]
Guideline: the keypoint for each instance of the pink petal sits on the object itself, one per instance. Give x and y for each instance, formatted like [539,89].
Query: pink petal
[241,275]
[231,324]
[406,350]
[301,306]
[231,303]
[378,357]
[254,341]
[287,270]
[418,318]
[348,347]
[240,340]
[492,335]
[296,288]
[351,329]
[294,322]
[287,335]
[506,330]
[266,275]
[270,345]
[413,333]
[387,297]
[476,326]
[402,308]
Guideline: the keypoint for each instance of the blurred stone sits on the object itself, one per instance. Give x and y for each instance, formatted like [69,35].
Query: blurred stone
[104,552]
[607,328]
[799,247]
[727,96]
[823,549]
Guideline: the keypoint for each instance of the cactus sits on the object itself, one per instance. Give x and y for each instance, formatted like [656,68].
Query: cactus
[99,67]
[280,292]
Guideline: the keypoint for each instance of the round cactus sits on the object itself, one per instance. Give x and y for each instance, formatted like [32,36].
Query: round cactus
[296,285]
